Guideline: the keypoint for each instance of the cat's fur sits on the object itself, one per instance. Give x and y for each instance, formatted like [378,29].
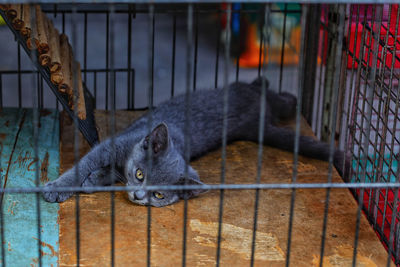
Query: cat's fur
[166,141]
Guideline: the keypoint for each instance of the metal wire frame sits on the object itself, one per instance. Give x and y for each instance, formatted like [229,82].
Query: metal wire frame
[110,88]
[368,122]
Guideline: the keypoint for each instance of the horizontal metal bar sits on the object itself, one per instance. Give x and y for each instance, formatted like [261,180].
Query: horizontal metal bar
[83,70]
[203,187]
[164,10]
[211,1]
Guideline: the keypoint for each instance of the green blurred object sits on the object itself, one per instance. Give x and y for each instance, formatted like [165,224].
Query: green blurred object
[2,22]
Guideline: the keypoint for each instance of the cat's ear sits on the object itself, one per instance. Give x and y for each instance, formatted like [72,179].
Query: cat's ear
[158,139]
[191,179]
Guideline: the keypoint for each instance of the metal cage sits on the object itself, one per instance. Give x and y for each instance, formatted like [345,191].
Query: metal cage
[136,55]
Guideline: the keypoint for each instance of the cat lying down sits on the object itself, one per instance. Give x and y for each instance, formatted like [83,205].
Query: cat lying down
[166,142]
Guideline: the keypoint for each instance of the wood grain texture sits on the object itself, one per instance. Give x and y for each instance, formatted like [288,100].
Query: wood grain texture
[19,169]
[238,216]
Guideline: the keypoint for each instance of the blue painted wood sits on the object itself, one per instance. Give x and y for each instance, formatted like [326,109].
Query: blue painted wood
[20,210]
[9,125]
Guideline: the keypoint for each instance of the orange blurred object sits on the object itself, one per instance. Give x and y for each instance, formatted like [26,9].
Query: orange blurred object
[250,58]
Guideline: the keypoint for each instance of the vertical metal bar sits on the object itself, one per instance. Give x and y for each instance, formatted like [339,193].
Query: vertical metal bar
[371,82]
[41,103]
[329,75]
[260,51]
[217,52]
[152,55]
[173,55]
[73,21]
[111,55]
[224,127]
[1,91]
[196,41]
[107,58]
[63,22]
[333,116]
[324,52]
[129,52]
[37,182]
[95,88]
[189,66]
[282,47]
[19,77]
[85,45]
[149,123]
[342,111]
[238,53]
[350,128]
[35,139]
[297,135]
[263,102]
[311,43]
[37,95]
[133,87]
[55,10]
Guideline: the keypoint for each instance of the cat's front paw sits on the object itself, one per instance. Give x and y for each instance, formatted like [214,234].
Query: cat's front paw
[50,195]
[67,179]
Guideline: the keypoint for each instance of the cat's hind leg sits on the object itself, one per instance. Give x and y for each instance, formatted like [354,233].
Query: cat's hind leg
[283,105]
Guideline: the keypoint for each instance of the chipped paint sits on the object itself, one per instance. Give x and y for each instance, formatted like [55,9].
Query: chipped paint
[20,213]
[343,256]
[238,240]
[35,262]
[44,245]
[11,207]
[43,169]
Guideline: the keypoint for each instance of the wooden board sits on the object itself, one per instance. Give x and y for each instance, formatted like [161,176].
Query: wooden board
[238,216]
[18,170]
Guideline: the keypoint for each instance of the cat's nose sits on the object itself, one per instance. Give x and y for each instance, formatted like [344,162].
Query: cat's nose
[140,194]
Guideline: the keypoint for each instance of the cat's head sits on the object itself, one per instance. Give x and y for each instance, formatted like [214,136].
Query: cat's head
[167,168]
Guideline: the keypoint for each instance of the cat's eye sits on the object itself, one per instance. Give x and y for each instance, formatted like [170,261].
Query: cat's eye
[158,195]
[139,174]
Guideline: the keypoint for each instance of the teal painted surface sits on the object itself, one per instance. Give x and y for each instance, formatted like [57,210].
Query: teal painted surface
[20,210]
[9,125]
[372,172]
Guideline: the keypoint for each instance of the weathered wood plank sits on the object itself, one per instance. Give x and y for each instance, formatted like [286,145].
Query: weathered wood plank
[20,210]
[9,125]
[202,224]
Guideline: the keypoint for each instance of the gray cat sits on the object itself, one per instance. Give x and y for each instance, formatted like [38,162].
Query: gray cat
[166,142]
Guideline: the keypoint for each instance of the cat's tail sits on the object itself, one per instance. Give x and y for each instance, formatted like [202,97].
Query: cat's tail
[284,138]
